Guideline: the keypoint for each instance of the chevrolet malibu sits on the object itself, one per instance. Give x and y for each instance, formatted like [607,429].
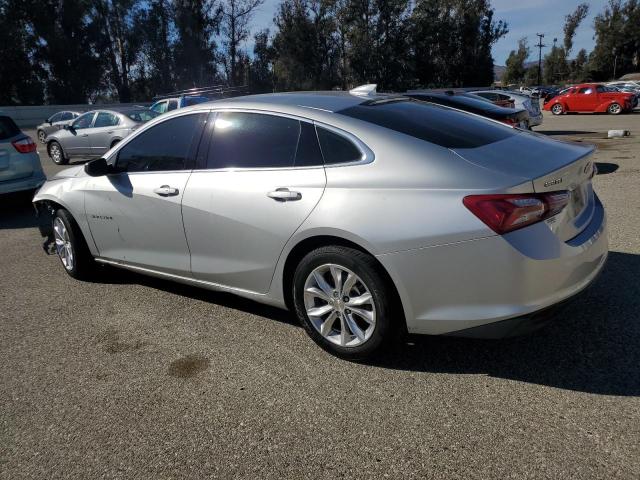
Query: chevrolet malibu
[367,215]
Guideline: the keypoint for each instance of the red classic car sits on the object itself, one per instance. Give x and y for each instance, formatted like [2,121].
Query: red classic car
[590,97]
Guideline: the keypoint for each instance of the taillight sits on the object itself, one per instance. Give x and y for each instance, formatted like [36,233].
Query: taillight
[24,145]
[504,213]
[509,121]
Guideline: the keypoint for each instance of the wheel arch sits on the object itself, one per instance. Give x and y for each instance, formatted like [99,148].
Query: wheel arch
[308,244]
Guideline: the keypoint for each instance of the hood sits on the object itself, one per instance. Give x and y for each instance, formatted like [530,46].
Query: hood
[77,171]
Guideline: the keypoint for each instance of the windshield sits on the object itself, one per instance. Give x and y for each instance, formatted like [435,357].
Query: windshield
[431,123]
[141,116]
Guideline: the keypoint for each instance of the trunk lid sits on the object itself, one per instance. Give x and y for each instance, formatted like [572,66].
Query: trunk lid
[550,165]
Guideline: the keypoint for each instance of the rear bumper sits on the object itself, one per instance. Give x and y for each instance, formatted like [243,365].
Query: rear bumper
[535,120]
[460,286]
[26,183]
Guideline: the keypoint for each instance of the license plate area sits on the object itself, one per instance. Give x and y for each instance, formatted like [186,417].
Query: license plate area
[578,200]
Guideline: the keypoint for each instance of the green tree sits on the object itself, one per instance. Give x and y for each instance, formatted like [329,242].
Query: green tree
[261,78]
[515,69]
[157,62]
[617,33]
[20,76]
[195,50]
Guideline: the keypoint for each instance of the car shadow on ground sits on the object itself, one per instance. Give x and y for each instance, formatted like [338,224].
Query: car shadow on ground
[568,132]
[17,211]
[593,345]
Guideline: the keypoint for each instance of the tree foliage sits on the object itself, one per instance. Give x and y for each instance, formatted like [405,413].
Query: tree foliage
[515,68]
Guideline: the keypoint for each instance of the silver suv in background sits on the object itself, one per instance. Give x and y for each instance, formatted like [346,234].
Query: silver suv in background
[93,133]
[54,123]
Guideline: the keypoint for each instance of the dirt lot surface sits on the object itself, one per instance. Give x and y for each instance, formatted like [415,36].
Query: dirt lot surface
[132,377]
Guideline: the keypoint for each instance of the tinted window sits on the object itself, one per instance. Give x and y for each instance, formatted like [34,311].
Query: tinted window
[173,104]
[163,147]
[336,148]
[83,121]
[56,118]
[193,100]
[105,119]
[8,128]
[431,123]
[253,140]
[585,91]
[308,153]
[66,116]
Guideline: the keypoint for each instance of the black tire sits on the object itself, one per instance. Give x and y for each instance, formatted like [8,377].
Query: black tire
[84,265]
[614,109]
[42,136]
[58,158]
[369,271]
[557,109]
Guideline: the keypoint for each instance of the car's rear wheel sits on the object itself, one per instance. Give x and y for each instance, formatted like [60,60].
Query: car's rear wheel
[557,109]
[343,301]
[614,109]
[57,154]
[71,246]
[42,136]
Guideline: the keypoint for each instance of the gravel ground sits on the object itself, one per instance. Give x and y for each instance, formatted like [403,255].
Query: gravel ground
[132,377]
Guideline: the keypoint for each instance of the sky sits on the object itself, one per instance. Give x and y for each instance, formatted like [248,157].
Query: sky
[525,19]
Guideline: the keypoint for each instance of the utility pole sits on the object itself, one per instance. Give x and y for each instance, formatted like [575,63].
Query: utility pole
[540,47]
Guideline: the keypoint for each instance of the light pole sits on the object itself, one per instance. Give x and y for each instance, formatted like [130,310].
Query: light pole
[540,45]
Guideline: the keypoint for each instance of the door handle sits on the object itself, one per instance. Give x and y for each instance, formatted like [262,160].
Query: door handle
[166,191]
[110,132]
[85,134]
[284,195]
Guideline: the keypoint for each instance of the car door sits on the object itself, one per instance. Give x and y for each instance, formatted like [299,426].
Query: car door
[263,175]
[585,100]
[102,134]
[135,214]
[75,140]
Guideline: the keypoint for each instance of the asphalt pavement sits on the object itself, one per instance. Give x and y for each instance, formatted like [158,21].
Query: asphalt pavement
[134,377]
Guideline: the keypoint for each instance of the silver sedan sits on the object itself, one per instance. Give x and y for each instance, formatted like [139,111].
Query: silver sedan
[93,133]
[54,123]
[367,215]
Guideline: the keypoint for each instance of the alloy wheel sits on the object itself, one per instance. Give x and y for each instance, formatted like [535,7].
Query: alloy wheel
[56,153]
[557,109]
[615,109]
[339,305]
[41,136]
[63,243]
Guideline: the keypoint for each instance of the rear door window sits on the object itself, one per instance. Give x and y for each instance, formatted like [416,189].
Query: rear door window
[173,104]
[253,140]
[105,119]
[431,123]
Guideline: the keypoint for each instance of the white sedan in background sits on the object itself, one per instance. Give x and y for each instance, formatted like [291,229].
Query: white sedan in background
[520,100]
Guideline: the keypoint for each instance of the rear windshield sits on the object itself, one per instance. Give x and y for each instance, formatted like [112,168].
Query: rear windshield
[8,128]
[141,116]
[431,123]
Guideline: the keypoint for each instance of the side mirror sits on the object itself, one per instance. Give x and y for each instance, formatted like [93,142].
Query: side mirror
[46,120]
[97,168]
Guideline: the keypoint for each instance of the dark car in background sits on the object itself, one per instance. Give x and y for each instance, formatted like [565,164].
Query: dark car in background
[92,134]
[54,123]
[474,104]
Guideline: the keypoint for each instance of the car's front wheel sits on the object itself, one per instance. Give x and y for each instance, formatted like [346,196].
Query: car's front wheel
[57,154]
[71,246]
[344,301]
[614,109]
[557,109]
